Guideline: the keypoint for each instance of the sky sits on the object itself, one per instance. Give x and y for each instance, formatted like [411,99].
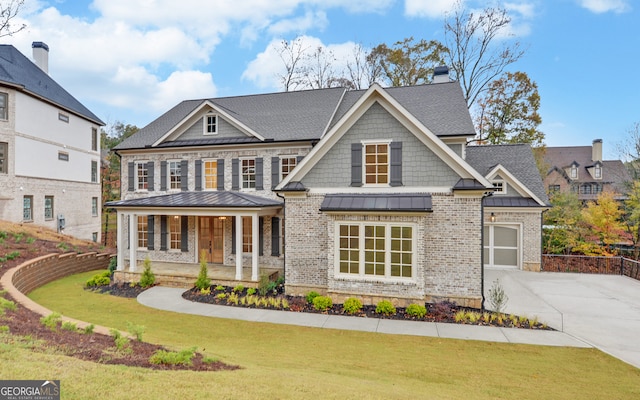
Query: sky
[130,61]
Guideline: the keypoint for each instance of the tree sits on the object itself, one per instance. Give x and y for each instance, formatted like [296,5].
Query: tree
[629,151]
[8,11]
[603,219]
[407,62]
[561,233]
[292,55]
[508,111]
[362,71]
[318,70]
[631,217]
[473,55]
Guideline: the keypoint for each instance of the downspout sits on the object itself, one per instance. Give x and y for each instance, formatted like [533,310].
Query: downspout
[484,196]
[284,252]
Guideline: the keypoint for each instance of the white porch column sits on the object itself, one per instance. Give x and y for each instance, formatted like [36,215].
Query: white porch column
[255,247]
[133,242]
[238,248]
[120,239]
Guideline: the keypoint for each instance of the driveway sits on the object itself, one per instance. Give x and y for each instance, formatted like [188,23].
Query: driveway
[603,310]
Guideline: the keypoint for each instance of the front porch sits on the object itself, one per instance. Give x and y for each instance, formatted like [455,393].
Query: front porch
[184,275]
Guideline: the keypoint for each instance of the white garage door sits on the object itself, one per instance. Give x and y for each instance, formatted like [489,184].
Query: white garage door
[502,246]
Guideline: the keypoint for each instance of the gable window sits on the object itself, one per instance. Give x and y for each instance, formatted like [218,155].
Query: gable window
[4,98]
[143,231]
[48,208]
[499,186]
[210,175]
[142,176]
[175,233]
[94,139]
[94,171]
[247,236]
[175,175]
[62,156]
[287,164]
[573,173]
[4,150]
[248,166]
[210,124]
[376,163]
[63,117]
[27,208]
[94,206]
[597,172]
[380,250]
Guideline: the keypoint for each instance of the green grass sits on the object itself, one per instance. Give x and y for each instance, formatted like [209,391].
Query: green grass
[296,362]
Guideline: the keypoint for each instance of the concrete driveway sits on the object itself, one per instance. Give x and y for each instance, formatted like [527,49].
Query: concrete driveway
[602,310]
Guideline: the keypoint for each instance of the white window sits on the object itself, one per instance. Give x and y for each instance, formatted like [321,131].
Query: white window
[94,139]
[175,174]
[248,166]
[4,114]
[27,208]
[499,186]
[94,206]
[48,208]
[94,171]
[142,176]
[4,154]
[175,233]
[143,231]
[210,124]
[210,174]
[375,250]
[376,163]
[574,172]
[287,164]
[62,156]
[597,172]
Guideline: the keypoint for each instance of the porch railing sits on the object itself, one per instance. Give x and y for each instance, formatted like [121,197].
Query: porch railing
[591,265]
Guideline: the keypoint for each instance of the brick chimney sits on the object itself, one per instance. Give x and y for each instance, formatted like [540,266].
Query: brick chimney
[596,150]
[441,74]
[41,55]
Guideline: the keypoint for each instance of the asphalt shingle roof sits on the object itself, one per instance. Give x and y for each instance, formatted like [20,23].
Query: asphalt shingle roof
[613,171]
[222,199]
[18,70]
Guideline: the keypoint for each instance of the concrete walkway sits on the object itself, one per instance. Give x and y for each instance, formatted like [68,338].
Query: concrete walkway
[170,299]
[602,310]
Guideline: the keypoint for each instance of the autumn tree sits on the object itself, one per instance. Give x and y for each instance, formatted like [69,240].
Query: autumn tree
[8,12]
[629,151]
[362,70]
[631,217]
[561,233]
[603,218]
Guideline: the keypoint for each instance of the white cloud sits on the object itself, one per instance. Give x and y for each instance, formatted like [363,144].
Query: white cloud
[309,20]
[603,6]
[428,8]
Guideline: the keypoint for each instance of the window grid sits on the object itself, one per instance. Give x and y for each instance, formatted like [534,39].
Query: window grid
[401,251]
[349,248]
[4,150]
[376,161]
[247,237]
[175,233]
[94,206]
[598,172]
[94,139]
[94,171]
[374,250]
[175,176]
[211,175]
[499,187]
[143,232]
[48,207]
[287,164]
[211,125]
[248,173]
[27,208]
[142,176]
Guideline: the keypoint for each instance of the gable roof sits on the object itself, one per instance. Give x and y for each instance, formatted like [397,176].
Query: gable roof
[517,159]
[18,71]
[613,171]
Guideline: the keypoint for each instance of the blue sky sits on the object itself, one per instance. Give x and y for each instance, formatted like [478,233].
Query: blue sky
[131,60]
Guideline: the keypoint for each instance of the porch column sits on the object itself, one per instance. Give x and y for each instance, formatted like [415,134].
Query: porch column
[120,239]
[255,247]
[133,241]
[238,248]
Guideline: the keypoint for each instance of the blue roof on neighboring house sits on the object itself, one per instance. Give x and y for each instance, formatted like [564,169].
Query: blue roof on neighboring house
[18,71]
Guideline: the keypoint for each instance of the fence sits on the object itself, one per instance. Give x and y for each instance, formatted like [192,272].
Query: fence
[591,265]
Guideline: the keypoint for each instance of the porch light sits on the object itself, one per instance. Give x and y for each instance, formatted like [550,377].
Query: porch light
[222,218]
[492,218]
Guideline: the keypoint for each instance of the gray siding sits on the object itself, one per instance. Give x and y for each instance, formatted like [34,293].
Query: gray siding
[421,167]
[457,148]
[225,130]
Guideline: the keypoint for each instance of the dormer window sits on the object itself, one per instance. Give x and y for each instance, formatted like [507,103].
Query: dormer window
[499,186]
[597,171]
[210,124]
[573,173]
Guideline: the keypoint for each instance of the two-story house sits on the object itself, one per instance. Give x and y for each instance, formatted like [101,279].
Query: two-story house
[369,193]
[49,149]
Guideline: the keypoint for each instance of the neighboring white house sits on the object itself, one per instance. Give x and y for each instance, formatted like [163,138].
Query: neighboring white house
[49,149]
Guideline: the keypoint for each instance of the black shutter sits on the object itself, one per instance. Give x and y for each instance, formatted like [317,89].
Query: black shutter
[132,179]
[261,237]
[235,174]
[259,174]
[198,175]
[275,172]
[163,176]
[356,164]
[233,235]
[163,232]
[150,232]
[184,233]
[396,164]
[150,176]
[184,175]
[275,236]
[220,174]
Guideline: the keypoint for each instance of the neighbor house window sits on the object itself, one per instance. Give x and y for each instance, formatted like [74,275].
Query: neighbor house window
[94,171]
[62,156]
[247,237]
[287,164]
[4,98]
[499,186]
[574,172]
[94,139]
[94,206]
[175,176]
[382,250]
[210,124]
[597,188]
[48,207]
[175,233]
[554,188]
[143,231]
[597,172]
[27,208]
[585,188]
[142,176]
[4,153]
[210,175]
[63,117]
[248,173]
[376,163]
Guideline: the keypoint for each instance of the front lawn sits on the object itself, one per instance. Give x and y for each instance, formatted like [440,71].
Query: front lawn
[296,362]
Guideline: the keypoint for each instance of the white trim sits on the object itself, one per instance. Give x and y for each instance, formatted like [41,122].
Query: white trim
[503,186]
[136,176]
[519,244]
[203,174]
[169,161]
[369,142]
[294,156]
[374,189]
[205,124]
[255,173]
[507,176]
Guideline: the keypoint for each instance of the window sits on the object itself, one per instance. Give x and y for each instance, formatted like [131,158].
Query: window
[248,173]
[94,206]
[142,176]
[143,231]
[94,236]
[94,171]
[554,188]
[247,237]
[597,172]
[175,233]
[63,156]
[48,208]
[383,250]
[210,174]
[585,188]
[287,164]
[4,99]
[94,139]
[27,208]
[63,117]
[4,153]
[210,124]
[175,176]
[597,188]
[574,172]
[376,161]
[499,186]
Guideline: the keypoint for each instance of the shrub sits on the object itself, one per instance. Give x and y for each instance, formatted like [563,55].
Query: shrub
[238,289]
[221,296]
[203,281]
[4,328]
[147,279]
[220,288]
[264,285]
[322,303]
[101,279]
[69,326]
[120,341]
[205,291]
[251,291]
[352,305]
[63,246]
[17,237]
[233,298]
[311,295]
[51,321]
[6,305]
[165,357]
[13,255]
[385,307]
[30,240]
[135,330]
[113,265]
[88,330]
[497,296]
[416,310]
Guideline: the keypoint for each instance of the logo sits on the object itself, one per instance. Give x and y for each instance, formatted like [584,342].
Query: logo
[29,390]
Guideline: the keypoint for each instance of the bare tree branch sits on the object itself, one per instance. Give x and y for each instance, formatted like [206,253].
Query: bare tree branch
[8,11]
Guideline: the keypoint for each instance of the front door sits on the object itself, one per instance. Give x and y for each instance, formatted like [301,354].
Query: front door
[211,240]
